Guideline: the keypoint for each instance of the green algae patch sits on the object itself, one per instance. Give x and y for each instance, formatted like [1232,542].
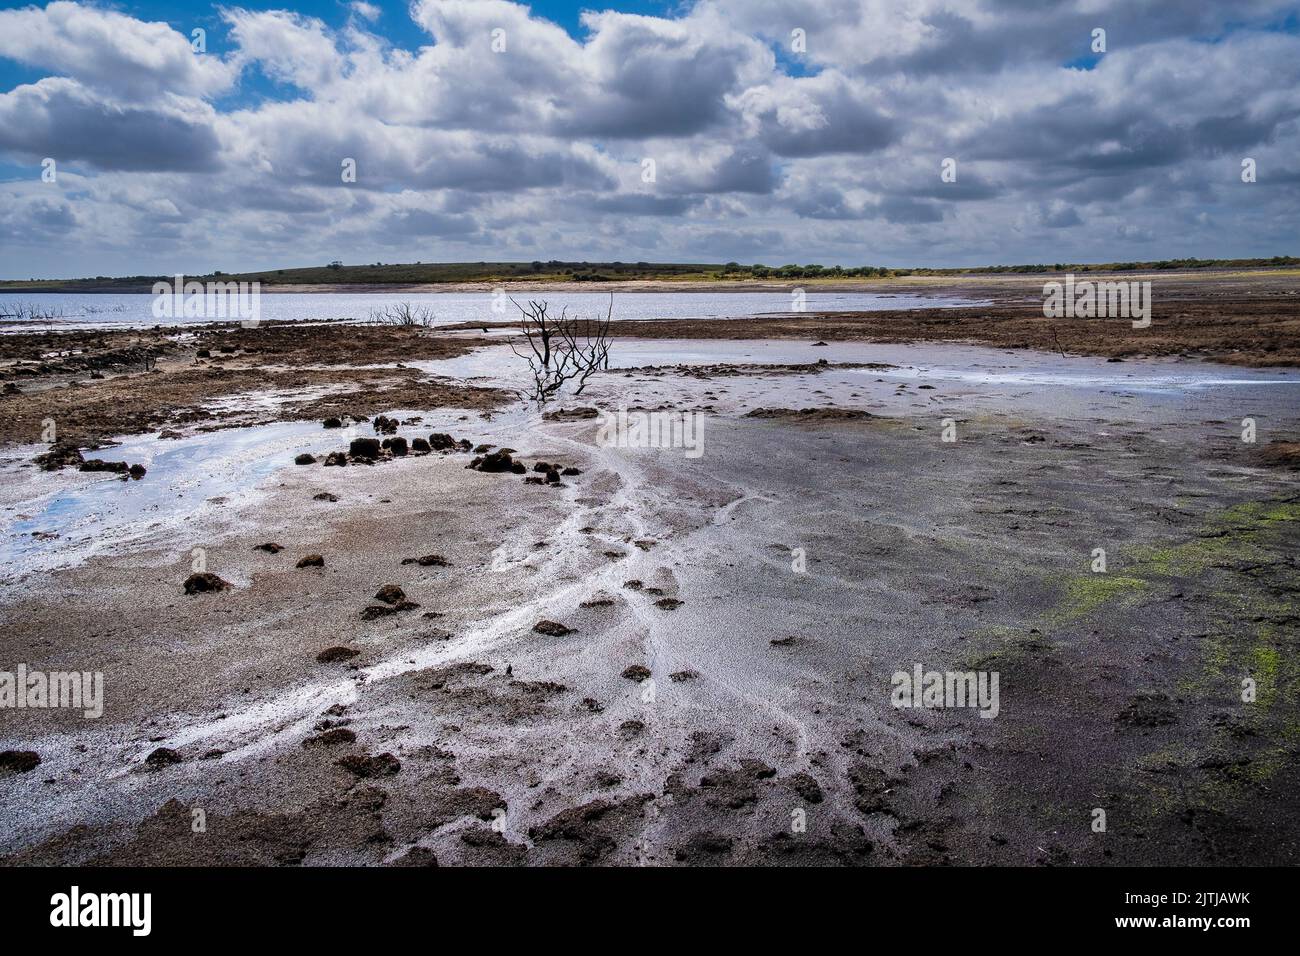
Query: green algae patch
[1089,592]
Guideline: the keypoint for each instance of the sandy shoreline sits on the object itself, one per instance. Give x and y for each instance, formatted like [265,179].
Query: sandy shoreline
[765,695]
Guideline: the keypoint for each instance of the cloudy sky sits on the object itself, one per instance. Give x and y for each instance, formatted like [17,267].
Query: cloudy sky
[778,130]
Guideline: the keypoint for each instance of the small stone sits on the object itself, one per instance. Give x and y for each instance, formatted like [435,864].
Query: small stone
[311,561]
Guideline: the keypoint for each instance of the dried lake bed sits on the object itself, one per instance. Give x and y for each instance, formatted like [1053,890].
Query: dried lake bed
[729,623]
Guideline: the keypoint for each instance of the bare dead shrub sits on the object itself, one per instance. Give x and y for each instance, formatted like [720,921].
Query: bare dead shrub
[567,348]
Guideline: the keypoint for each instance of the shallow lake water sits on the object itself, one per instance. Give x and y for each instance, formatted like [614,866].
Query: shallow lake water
[86,310]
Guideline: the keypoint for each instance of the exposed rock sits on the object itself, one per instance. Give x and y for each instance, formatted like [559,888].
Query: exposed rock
[420,446]
[333,422]
[551,629]
[636,672]
[336,653]
[678,677]
[305,459]
[325,496]
[270,547]
[311,561]
[669,604]
[429,561]
[336,458]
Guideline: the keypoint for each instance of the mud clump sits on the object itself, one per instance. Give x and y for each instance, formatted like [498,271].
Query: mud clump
[337,653]
[331,738]
[737,788]
[812,415]
[551,628]
[390,594]
[205,582]
[429,561]
[571,414]
[162,757]
[96,464]
[592,828]
[498,462]
[703,845]
[441,441]
[367,766]
[60,455]
[1281,454]
[365,449]
[19,761]
[420,856]
[1147,710]
[374,612]
[807,787]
